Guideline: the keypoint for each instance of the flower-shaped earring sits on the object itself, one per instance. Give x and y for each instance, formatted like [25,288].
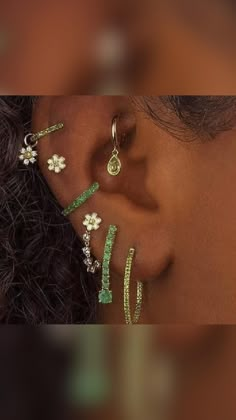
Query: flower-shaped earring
[92,222]
[56,163]
[27,154]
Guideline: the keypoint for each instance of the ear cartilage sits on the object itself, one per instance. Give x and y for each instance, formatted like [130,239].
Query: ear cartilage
[27,153]
[79,201]
[91,222]
[105,294]
[56,164]
[127,311]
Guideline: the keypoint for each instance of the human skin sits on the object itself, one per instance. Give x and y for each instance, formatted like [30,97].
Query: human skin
[207,371]
[185,47]
[50,47]
[173,201]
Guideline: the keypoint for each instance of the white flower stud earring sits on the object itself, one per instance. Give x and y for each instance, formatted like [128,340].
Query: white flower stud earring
[92,222]
[56,164]
[27,154]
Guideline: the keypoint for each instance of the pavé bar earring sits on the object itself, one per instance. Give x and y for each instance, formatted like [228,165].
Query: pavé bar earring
[105,294]
[92,222]
[79,201]
[114,164]
[138,307]
[28,154]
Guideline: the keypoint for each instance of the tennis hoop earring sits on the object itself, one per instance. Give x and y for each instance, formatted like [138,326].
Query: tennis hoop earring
[127,311]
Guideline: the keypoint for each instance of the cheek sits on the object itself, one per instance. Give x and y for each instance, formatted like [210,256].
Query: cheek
[199,207]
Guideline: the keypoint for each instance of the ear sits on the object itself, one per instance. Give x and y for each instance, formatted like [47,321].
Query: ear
[129,200]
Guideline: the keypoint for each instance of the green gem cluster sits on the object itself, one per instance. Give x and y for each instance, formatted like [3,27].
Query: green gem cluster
[105,295]
[81,199]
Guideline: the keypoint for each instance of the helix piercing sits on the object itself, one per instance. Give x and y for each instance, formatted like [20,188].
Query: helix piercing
[56,164]
[28,154]
[79,201]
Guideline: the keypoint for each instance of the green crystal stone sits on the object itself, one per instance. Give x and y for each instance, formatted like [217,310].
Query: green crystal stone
[105,296]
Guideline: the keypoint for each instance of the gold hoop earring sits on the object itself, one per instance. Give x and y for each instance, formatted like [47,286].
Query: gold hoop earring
[128,267]
[114,164]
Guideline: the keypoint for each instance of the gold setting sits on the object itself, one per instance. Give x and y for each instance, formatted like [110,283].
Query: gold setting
[138,307]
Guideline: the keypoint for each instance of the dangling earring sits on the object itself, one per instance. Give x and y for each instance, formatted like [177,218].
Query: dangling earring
[28,154]
[127,311]
[114,164]
[92,222]
[105,294]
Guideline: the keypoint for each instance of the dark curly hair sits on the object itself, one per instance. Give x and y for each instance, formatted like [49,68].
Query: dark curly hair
[42,278]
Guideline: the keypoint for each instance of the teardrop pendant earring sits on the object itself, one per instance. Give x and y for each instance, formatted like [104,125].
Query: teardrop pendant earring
[114,164]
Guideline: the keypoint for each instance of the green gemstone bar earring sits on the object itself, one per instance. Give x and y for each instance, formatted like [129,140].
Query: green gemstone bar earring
[81,199]
[105,294]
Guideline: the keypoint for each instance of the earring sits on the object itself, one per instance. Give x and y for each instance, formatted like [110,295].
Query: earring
[114,164]
[92,222]
[56,163]
[127,311]
[28,154]
[105,294]
[81,199]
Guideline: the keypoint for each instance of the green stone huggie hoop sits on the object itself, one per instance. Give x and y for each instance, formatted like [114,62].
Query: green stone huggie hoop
[105,294]
[81,199]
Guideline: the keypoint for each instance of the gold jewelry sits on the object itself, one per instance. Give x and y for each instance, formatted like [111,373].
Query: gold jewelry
[28,154]
[91,222]
[105,294]
[56,164]
[79,201]
[114,164]
[127,311]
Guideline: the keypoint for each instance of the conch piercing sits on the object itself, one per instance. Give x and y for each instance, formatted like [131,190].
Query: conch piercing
[105,294]
[79,201]
[114,164]
[28,154]
[56,164]
[127,311]
[92,222]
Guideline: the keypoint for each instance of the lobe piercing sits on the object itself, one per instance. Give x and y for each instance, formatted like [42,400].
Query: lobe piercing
[92,222]
[105,294]
[127,311]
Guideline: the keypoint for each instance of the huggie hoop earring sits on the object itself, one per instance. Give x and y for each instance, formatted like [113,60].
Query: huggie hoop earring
[28,154]
[114,164]
[127,311]
[79,201]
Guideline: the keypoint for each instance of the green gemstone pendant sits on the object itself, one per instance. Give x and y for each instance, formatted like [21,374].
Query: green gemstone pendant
[105,296]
